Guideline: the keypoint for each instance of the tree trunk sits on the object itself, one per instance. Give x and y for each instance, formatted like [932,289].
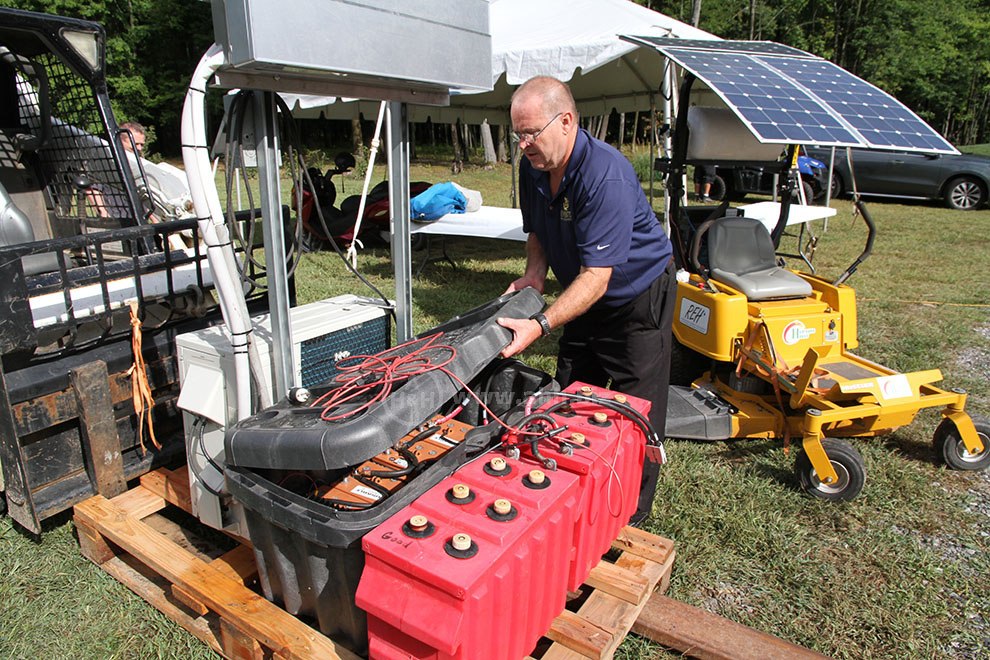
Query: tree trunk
[603,128]
[455,141]
[503,144]
[465,136]
[696,13]
[488,143]
[357,137]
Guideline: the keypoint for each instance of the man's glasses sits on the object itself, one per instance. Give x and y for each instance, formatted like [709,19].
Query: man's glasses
[530,138]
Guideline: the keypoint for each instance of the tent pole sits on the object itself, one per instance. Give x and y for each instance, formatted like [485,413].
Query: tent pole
[398,191]
[653,141]
[669,112]
[514,160]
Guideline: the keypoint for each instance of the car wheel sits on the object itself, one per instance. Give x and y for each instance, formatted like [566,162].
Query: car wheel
[809,193]
[717,191]
[837,187]
[964,194]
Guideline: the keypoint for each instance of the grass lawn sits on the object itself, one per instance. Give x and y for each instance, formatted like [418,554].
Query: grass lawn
[902,571]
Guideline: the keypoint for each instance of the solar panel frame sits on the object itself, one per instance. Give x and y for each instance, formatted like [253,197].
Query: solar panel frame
[723,45]
[787,96]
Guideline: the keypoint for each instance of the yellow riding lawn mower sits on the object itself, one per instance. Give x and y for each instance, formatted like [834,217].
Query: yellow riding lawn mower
[763,351]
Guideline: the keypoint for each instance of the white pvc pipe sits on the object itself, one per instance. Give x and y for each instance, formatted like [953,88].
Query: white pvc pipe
[375,141]
[214,232]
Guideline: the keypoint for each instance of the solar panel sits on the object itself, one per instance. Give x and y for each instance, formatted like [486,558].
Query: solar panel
[775,109]
[882,120]
[787,96]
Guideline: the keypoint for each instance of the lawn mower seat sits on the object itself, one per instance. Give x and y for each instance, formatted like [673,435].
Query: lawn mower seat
[741,254]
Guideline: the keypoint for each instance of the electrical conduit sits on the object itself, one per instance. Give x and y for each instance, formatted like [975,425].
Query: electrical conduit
[214,232]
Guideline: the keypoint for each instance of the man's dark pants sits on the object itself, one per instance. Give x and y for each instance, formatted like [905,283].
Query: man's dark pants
[629,346]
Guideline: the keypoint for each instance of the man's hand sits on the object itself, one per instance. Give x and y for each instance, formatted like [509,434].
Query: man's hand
[524,333]
[523,282]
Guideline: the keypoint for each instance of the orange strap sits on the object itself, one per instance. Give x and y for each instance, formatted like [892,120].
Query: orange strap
[144,402]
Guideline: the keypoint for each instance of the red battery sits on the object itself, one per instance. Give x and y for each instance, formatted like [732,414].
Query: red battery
[476,567]
[607,454]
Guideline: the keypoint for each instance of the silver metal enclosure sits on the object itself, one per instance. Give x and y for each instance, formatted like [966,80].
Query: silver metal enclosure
[405,50]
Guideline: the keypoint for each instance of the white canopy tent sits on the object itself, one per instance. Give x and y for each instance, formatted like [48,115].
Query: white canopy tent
[572,40]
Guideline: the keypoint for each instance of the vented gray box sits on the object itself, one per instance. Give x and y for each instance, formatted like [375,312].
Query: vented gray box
[397,47]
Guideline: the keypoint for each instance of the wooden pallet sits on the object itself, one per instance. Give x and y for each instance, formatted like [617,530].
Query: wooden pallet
[616,593]
[208,591]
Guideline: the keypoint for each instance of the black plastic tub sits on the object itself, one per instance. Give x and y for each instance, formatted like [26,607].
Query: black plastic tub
[309,554]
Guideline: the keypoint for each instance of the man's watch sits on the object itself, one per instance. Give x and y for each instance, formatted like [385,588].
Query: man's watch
[541,318]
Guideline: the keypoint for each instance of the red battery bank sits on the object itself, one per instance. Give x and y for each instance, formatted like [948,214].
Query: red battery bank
[606,450]
[476,567]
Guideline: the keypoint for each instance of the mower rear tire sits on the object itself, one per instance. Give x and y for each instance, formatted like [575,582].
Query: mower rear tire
[950,448]
[686,365]
[848,464]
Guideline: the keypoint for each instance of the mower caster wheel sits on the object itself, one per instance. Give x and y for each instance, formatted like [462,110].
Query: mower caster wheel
[848,465]
[950,448]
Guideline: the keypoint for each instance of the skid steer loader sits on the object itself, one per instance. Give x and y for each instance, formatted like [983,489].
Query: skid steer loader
[84,236]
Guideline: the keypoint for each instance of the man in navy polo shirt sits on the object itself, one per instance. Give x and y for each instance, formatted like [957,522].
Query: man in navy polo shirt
[589,221]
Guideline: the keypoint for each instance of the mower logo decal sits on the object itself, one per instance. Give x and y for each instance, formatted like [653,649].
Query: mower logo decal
[895,387]
[795,331]
[694,316]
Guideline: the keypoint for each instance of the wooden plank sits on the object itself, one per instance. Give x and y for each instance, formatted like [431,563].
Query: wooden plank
[42,412]
[187,599]
[98,428]
[92,545]
[171,485]
[152,589]
[625,584]
[139,503]
[615,616]
[701,634]
[238,644]
[264,621]
[643,544]
[238,564]
[576,633]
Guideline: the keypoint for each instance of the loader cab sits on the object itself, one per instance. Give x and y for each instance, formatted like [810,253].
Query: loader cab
[78,253]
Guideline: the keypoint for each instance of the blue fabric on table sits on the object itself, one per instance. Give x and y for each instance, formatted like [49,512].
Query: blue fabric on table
[437,201]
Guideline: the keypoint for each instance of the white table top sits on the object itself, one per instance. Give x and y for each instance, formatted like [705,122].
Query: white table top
[769,212]
[506,224]
[486,222]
